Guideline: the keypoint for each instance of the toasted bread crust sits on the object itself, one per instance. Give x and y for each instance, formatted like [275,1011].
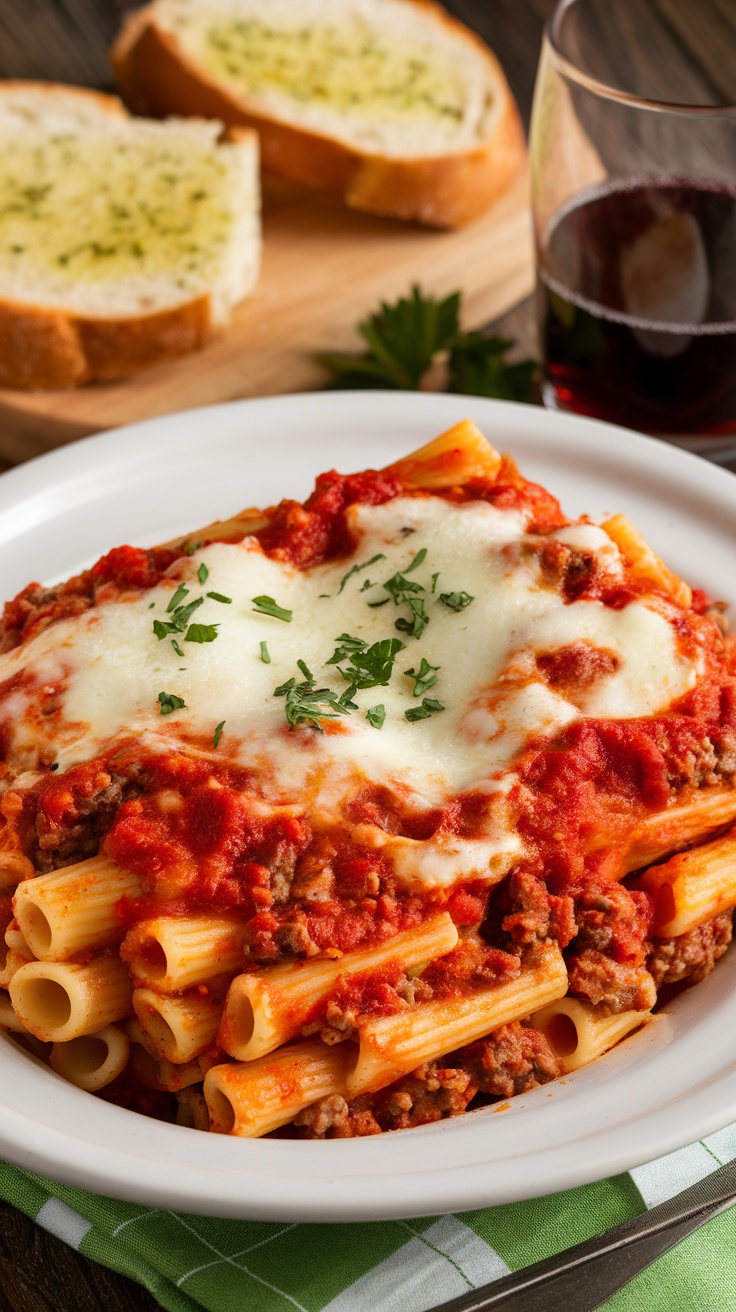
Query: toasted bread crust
[156,77]
[46,348]
[49,348]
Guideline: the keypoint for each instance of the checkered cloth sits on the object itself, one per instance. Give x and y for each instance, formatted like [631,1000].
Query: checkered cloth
[191,1263]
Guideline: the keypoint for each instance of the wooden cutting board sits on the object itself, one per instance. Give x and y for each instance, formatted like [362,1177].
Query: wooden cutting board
[324,268]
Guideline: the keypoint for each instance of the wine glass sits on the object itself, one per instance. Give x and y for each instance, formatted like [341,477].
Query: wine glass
[633,147]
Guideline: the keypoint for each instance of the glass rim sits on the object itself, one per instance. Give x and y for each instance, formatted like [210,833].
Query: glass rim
[572,71]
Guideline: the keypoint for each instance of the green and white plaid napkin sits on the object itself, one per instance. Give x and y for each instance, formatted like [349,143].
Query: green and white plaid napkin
[191,1263]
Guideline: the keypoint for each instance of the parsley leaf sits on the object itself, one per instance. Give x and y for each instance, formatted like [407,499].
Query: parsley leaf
[168,702]
[346,647]
[373,666]
[376,716]
[217,596]
[308,705]
[218,733]
[424,678]
[477,368]
[419,618]
[456,600]
[176,647]
[201,633]
[357,569]
[265,656]
[267,606]
[179,620]
[402,340]
[417,561]
[428,707]
[203,574]
[191,548]
[178,596]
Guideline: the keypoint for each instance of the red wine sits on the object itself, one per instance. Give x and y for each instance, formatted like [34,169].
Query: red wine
[637,301]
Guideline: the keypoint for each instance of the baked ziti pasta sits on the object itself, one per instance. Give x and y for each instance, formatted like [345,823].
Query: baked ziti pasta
[348,816]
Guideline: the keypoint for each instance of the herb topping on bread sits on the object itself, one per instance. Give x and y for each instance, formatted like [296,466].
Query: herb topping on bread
[389,102]
[115,227]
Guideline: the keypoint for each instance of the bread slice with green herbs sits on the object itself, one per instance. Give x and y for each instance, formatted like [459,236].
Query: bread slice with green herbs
[391,104]
[123,241]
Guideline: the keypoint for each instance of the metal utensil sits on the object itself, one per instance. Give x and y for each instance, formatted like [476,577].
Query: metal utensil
[582,1278]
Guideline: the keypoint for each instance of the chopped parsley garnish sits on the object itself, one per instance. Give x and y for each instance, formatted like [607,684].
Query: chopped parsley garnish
[346,647]
[151,605]
[434,580]
[456,600]
[191,548]
[306,704]
[218,596]
[369,667]
[428,707]
[367,585]
[417,561]
[218,733]
[176,647]
[358,568]
[424,678]
[403,592]
[179,619]
[201,633]
[419,619]
[375,604]
[203,574]
[267,606]
[177,598]
[265,657]
[168,702]
[376,716]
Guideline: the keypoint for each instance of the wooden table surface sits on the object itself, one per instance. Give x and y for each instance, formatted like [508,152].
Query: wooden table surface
[67,41]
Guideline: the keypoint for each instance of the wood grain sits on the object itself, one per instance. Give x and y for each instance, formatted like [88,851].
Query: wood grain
[324,266]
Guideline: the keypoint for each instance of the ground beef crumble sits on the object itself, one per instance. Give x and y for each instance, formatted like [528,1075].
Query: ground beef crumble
[514,1059]
[691,957]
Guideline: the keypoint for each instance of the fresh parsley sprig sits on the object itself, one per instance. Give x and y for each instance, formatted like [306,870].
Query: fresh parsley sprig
[309,705]
[405,339]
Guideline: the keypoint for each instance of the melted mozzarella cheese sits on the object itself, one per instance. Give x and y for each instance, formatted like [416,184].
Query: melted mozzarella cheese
[111,668]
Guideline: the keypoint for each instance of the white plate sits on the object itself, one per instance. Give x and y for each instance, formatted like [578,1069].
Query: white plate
[665,1087]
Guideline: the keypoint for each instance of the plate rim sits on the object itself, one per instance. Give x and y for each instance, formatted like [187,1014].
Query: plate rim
[332,1195]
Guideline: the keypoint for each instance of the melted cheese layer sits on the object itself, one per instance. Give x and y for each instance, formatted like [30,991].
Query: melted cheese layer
[110,668]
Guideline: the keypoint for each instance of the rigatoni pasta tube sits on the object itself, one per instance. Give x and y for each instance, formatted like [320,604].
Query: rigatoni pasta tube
[174,953]
[692,887]
[73,909]
[457,456]
[8,1018]
[59,1000]
[177,1029]
[390,1046]
[264,1010]
[252,1098]
[577,1033]
[643,562]
[665,832]
[93,1060]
